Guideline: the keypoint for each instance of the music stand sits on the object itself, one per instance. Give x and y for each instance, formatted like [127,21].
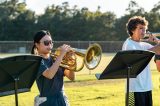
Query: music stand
[126,64]
[17,74]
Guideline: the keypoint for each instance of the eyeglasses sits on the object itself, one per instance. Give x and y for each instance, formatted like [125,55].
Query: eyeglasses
[47,42]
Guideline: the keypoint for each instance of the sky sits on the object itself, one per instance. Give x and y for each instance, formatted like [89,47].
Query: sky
[116,6]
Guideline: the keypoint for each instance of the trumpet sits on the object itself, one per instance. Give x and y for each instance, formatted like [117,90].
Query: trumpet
[155,34]
[147,35]
[90,58]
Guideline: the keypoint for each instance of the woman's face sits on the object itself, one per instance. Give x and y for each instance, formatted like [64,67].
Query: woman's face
[45,45]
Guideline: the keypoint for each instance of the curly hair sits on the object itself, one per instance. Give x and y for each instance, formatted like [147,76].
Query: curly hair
[133,22]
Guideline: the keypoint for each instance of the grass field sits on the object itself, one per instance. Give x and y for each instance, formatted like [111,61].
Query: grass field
[86,90]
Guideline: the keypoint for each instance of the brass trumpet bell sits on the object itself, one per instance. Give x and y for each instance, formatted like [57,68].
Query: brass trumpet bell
[90,58]
[93,56]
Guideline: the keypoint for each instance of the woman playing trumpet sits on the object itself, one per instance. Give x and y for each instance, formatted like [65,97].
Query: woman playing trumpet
[50,74]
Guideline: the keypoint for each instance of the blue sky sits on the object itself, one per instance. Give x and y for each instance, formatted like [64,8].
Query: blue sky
[116,6]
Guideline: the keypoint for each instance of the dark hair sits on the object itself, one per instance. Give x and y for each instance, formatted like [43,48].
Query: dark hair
[133,22]
[37,37]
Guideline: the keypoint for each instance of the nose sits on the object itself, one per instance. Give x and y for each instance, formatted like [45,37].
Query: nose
[50,46]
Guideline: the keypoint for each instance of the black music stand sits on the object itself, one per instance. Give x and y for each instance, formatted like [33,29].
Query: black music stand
[126,64]
[17,74]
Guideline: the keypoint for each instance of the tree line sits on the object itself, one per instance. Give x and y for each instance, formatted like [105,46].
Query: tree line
[67,23]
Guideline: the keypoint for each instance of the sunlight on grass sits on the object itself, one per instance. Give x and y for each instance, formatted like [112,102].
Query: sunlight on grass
[86,90]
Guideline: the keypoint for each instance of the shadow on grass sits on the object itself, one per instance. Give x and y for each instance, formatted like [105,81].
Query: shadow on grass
[97,98]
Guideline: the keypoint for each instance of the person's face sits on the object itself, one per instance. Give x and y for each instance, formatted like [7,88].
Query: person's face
[45,45]
[139,32]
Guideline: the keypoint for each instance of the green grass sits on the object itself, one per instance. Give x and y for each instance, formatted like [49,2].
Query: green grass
[86,90]
[92,92]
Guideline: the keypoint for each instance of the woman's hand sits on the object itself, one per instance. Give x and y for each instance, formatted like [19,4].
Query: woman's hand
[64,49]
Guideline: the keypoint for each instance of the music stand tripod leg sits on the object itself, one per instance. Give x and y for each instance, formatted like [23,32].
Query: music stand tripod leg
[16,92]
[128,76]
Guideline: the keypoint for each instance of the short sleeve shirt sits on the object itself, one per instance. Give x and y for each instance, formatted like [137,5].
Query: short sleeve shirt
[49,87]
[143,80]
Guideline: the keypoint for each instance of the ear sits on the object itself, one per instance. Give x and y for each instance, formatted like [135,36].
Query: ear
[133,31]
[36,45]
